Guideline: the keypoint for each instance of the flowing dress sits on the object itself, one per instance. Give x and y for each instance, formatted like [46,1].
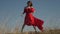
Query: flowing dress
[30,20]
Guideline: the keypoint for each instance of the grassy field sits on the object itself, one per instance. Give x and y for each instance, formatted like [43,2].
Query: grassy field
[32,32]
[17,31]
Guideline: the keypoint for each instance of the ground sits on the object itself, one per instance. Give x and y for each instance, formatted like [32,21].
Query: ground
[57,31]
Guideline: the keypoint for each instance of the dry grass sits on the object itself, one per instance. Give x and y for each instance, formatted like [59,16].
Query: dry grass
[32,32]
[17,31]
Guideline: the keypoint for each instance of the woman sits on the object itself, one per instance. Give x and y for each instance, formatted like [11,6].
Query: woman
[30,20]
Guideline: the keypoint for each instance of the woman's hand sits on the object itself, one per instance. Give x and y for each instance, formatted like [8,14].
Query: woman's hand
[21,14]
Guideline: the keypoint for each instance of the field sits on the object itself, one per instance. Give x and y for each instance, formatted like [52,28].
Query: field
[17,31]
[57,31]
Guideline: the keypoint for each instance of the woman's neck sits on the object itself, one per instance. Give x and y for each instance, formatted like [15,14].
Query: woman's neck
[29,6]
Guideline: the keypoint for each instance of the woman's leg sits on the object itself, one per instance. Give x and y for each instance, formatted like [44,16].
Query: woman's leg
[22,27]
[34,28]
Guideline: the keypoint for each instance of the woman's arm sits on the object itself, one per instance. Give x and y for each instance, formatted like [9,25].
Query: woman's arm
[24,10]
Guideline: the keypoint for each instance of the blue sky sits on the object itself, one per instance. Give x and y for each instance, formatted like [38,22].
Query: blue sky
[47,10]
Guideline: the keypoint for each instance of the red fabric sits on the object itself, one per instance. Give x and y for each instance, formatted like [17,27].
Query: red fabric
[30,20]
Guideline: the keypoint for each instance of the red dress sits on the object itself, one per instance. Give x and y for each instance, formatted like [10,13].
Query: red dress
[30,20]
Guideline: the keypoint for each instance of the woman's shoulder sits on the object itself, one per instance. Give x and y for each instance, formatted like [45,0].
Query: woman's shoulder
[32,7]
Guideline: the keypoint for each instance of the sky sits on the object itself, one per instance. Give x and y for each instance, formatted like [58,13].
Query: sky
[47,10]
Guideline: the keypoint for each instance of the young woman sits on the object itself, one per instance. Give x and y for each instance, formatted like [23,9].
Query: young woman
[30,20]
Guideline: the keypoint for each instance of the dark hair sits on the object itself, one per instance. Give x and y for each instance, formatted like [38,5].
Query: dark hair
[30,2]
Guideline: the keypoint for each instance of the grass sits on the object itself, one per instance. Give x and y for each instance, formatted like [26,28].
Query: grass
[16,31]
[57,31]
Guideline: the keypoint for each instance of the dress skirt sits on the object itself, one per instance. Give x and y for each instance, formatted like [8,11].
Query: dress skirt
[30,20]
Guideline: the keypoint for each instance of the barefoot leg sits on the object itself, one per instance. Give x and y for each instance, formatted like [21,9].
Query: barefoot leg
[34,28]
[22,27]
